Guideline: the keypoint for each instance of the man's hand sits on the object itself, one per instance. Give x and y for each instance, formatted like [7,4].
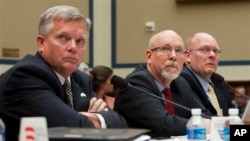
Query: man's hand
[93,117]
[97,105]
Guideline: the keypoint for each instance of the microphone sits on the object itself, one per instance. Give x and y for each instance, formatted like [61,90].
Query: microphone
[122,83]
[219,78]
[119,82]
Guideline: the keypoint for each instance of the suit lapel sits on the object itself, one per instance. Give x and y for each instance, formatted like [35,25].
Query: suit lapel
[196,86]
[80,95]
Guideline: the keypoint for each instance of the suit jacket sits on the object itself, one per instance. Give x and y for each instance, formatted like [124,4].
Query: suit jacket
[142,110]
[220,90]
[31,88]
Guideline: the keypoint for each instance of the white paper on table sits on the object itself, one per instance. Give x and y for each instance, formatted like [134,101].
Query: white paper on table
[217,127]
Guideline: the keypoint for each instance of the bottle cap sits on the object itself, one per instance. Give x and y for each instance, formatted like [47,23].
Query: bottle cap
[233,111]
[196,111]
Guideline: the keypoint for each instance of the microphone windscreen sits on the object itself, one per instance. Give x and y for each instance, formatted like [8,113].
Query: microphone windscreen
[218,78]
[119,82]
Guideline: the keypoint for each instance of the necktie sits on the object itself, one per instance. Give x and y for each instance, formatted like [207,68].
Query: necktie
[168,106]
[67,88]
[214,100]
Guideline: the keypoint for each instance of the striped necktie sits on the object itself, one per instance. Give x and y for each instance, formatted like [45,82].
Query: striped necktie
[67,88]
[214,100]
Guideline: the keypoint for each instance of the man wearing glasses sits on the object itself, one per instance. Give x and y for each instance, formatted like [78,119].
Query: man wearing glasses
[144,106]
[240,98]
[201,61]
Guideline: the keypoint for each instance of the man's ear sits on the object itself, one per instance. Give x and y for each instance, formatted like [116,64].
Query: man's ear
[148,56]
[40,43]
[187,56]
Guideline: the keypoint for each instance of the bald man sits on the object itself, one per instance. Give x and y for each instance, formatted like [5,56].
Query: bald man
[164,62]
[202,57]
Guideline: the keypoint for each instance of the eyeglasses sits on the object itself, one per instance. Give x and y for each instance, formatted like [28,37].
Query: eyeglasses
[168,50]
[207,50]
[239,97]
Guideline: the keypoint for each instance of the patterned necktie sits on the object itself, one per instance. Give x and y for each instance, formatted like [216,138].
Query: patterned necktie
[168,106]
[214,100]
[67,88]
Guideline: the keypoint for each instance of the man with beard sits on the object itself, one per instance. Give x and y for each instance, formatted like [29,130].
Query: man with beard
[146,108]
[202,58]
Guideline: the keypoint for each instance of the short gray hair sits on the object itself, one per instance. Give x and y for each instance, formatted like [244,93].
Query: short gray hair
[63,12]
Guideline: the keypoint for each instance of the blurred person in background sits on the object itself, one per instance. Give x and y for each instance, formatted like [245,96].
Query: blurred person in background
[241,99]
[84,68]
[101,76]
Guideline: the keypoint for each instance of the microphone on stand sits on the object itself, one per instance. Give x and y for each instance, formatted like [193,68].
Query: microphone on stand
[219,78]
[122,83]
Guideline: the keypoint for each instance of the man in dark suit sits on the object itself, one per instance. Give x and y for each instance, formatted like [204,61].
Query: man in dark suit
[34,85]
[202,57]
[240,98]
[143,110]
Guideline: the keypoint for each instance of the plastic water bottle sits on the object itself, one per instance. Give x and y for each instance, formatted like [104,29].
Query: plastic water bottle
[234,116]
[196,129]
[234,119]
[2,130]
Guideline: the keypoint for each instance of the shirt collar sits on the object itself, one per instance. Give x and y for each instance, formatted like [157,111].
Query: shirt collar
[61,78]
[159,85]
[202,81]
